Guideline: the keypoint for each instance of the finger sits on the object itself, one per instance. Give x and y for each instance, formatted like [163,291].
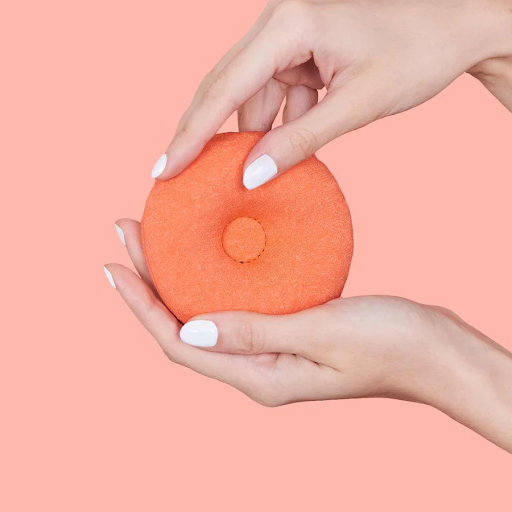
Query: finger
[270,380]
[299,99]
[129,232]
[341,111]
[242,78]
[243,332]
[232,52]
[304,74]
[259,112]
[164,327]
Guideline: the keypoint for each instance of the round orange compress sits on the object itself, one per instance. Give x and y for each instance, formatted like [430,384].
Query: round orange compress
[210,244]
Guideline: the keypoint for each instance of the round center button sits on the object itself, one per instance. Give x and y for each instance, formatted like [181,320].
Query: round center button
[244,239]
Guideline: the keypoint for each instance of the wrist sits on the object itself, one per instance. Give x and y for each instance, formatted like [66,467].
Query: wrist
[471,382]
[491,21]
[486,26]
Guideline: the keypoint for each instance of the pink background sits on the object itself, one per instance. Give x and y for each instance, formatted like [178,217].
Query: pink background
[93,416]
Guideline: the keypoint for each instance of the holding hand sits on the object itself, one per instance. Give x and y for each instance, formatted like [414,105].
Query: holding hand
[347,348]
[375,58]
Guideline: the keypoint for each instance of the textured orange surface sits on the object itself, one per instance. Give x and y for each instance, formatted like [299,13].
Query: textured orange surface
[211,244]
[244,239]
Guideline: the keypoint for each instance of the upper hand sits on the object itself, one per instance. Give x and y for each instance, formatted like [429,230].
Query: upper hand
[375,59]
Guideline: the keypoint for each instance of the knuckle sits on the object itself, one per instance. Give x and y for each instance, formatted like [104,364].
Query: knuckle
[267,400]
[303,142]
[293,14]
[167,343]
[272,4]
[290,7]
[292,20]
[148,305]
[250,338]
[170,355]
[443,310]
[189,131]
[215,86]
[206,81]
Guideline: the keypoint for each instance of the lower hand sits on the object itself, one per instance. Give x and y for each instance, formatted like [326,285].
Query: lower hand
[373,346]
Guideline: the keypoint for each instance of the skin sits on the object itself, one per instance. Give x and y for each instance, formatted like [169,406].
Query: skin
[375,58]
[373,346]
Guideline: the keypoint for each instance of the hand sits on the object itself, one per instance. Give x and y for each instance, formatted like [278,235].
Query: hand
[375,59]
[347,348]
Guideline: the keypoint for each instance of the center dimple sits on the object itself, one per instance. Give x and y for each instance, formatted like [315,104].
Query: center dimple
[244,239]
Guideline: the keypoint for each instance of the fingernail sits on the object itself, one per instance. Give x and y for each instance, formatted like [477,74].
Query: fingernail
[259,172]
[159,166]
[109,277]
[199,333]
[120,233]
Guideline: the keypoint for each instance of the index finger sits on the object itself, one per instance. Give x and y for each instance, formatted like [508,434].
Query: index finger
[241,79]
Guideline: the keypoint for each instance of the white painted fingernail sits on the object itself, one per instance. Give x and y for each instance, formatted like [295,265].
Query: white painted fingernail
[159,166]
[259,172]
[199,333]
[109,277]
[121,234]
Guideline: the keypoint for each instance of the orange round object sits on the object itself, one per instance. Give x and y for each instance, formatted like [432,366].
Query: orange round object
[212,245]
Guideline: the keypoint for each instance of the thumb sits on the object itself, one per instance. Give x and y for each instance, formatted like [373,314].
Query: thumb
[243,332]
[341,111]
